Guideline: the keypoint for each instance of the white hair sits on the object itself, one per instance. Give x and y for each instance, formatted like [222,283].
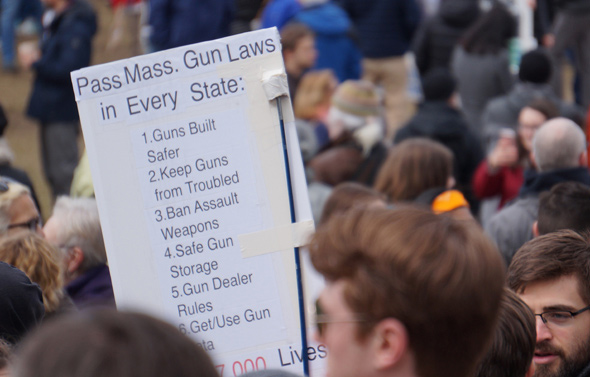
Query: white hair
[79,226]
[558,144]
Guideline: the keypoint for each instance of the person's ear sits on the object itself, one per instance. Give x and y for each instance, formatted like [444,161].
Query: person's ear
[391,344]
[583,160]
[536,229]
[74,259]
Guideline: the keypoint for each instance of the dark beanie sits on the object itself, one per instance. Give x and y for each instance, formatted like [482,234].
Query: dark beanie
[535,67]
[21,304]
[438,85]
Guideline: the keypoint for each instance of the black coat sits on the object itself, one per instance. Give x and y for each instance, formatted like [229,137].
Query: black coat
[437,37]
[66,46]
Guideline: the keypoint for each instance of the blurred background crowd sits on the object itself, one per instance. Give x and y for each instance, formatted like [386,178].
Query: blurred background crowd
[474,108]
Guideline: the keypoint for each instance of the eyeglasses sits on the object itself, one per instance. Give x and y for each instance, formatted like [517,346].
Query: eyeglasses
[32,224]
[561,317]
[322,319]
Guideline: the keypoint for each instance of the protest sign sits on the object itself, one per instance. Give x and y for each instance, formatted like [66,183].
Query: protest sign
[186,154]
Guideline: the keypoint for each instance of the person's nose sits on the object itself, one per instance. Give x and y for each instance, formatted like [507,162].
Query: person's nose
[543,332]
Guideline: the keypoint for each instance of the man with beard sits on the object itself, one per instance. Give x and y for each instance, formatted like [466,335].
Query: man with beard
[551,274]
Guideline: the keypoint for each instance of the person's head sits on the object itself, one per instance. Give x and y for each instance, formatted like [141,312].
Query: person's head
[74,227]
[513,344]
[565,206]
[414,166]
[299,52]
[438,85]
[21,304]
[491,32]
[559,144]
[551,274]
[40,260]
[531,118]
[17,208]
[314,94]
[350,195]
[408,293]
[535,67]
[354,102]
[108,343]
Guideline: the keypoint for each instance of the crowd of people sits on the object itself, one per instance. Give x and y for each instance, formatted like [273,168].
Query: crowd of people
[451,192]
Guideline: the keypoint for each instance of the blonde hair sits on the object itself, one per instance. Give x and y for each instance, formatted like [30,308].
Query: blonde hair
[14,191]
[314,92]
[79,225]
[40,260]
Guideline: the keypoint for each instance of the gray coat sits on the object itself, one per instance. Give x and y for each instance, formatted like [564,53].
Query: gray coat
[479,79]
[513,226]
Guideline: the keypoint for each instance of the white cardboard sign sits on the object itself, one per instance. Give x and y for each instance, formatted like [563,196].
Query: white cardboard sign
[186,157]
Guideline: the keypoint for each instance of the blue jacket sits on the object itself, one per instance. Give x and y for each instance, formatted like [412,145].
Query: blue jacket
[279,12]
[177,23]
[65,47]
[385,27]
[333,39]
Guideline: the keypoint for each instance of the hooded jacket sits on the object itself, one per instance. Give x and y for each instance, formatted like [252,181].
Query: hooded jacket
[65,47]
[437,37]
[333,40]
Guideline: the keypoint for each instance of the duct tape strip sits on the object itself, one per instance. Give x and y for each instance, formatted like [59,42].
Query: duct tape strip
[277,239]
[275,84]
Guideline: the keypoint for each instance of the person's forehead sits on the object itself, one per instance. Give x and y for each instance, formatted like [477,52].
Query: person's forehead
[562,291]
[22,209]
[331,298]
[305,42]
[531,116]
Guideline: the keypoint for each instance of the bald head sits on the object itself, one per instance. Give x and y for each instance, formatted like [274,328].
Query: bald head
[558,144]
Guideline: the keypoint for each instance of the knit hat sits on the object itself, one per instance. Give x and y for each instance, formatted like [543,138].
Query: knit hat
[535,67]
[21,304]
[357,97]
[441,199]
[438,85]
[448,201]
